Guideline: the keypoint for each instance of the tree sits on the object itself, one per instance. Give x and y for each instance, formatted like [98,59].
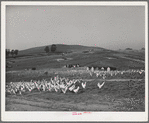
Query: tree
[12,52]
[47,49]
[7,52]
[143,48]
[128,49]
[53,48]
[16,52]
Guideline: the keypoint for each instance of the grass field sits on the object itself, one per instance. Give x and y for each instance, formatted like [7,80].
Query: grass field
[121,92]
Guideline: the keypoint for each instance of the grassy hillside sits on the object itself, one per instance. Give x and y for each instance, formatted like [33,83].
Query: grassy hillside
[138,54]
[61,48]
[100,57]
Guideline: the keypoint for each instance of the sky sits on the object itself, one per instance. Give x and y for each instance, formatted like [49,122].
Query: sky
[110,27]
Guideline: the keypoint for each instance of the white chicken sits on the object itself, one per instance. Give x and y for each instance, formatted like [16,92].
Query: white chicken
[84,85]
[76,90]
[100,85]
[97,74]
[64,90]
[72,88]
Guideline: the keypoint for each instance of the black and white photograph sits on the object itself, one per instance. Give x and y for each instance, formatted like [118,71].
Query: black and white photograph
[83,61]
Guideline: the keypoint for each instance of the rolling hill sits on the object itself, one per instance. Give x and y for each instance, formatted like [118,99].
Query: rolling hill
[61,48]
[76,54]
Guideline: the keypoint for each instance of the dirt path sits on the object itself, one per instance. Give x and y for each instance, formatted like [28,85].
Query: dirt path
[20,103]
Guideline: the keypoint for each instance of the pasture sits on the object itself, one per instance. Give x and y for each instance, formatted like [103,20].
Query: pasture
[124,89]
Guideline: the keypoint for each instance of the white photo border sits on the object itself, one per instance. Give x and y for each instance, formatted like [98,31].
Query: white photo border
[67,116]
